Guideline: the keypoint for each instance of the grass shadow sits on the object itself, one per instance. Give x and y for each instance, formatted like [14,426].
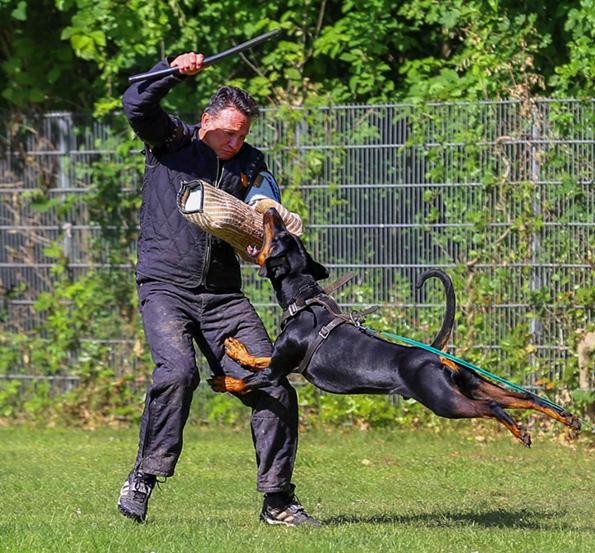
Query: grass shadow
[520,519]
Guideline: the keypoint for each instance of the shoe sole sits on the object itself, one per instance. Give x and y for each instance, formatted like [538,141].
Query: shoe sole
[275,522]
[130,515]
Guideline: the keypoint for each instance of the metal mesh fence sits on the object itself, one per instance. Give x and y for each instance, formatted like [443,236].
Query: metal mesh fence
[496,192]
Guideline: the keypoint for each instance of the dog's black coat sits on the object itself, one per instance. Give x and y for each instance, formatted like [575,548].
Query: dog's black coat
[351,361]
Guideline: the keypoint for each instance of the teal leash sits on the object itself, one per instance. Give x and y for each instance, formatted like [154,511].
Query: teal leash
[473,367]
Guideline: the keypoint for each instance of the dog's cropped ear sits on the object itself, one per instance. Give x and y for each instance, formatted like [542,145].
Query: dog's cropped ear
[317,270]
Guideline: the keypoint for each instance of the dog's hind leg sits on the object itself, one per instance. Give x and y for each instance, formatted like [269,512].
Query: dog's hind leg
[464,407]
[516,400]
[239,353]
[498,413]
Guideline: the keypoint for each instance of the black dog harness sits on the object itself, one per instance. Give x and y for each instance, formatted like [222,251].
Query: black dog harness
[324,300]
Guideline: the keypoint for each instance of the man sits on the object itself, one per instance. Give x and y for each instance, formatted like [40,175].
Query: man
[189,290]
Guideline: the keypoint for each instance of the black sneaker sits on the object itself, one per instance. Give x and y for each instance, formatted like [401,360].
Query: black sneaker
[134,495]
[286,509]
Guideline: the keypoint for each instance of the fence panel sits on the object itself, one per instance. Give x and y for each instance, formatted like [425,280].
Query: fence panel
[386,191]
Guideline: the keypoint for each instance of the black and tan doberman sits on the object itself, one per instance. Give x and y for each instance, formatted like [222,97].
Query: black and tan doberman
[335,354]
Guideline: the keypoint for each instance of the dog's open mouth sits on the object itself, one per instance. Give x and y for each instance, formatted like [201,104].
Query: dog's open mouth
[252,251]
[259,255]
[272,222]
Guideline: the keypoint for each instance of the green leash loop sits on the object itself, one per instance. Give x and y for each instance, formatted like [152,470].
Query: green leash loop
[472,367]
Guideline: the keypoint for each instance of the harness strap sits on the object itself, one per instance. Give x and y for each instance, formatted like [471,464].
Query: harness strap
[320,298]
[322,335]
[358,317]
[299,305]
[333,309]
[339,282]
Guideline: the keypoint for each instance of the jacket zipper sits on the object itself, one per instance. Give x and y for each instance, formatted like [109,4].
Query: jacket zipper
[207,260]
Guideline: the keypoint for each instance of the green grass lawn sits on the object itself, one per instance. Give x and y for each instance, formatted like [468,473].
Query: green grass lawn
[377,491]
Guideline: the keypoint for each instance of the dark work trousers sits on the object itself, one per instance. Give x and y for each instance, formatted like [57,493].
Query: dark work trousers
[174,318]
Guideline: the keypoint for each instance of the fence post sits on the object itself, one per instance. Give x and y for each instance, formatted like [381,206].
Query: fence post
[64,126]
[536,283]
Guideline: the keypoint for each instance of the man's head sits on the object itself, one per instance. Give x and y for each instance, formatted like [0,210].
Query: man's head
[226,121]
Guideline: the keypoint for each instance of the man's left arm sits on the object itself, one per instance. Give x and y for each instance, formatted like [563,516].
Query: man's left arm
[264,194]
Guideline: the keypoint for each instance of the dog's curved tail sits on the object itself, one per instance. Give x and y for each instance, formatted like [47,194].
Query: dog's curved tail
[442,337]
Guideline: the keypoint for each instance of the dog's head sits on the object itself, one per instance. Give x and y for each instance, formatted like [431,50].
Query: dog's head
[283,254]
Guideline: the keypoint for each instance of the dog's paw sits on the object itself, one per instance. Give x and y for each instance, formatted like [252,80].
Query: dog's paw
[525,437]
[227,384]
[572,421]
[236,350]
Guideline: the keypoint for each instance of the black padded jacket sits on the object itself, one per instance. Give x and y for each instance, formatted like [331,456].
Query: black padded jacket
[170,248]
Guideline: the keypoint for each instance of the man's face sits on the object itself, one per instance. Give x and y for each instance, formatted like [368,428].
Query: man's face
[225,132]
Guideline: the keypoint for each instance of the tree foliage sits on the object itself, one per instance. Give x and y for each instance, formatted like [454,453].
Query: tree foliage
[77,54]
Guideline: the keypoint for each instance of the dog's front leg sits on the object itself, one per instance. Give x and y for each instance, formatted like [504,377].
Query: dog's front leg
[241,385]
[240,354]
[227,384]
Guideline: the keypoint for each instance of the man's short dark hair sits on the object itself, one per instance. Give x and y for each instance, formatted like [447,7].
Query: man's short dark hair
[228,96]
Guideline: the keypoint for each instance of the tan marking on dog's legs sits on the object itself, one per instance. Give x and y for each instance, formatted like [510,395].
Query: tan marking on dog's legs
[237,351]
[465,407]
[519,433]
[512,400]
[565,418]
[227,384]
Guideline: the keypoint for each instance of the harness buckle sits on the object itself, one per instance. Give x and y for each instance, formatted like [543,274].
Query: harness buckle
[292,309]
[355,320]
[324,332]
[359,317]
